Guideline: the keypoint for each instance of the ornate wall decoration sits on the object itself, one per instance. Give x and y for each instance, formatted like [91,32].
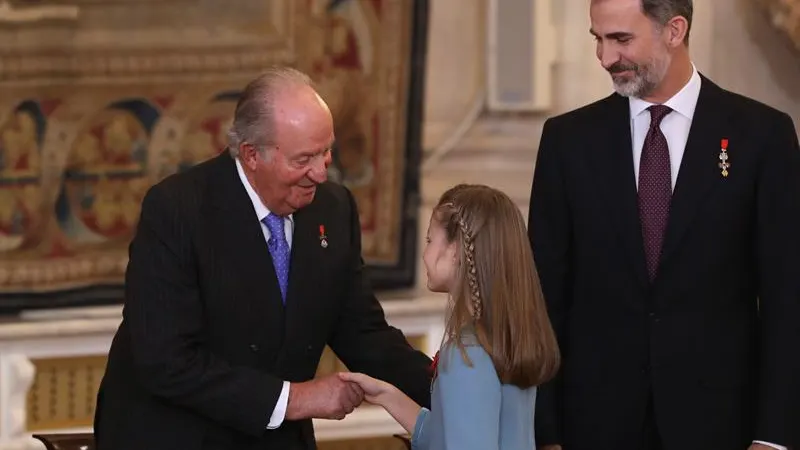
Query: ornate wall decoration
[100,100]
[785,16]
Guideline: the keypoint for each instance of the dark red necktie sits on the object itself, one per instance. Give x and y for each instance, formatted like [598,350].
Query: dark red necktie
[655,188]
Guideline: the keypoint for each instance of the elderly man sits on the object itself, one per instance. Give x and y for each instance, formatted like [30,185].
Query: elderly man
[242,270]
[664,221]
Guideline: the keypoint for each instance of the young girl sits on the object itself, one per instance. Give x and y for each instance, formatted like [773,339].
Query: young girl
[499,343]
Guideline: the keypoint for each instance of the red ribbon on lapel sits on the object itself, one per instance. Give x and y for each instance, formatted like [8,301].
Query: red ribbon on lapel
[434,364]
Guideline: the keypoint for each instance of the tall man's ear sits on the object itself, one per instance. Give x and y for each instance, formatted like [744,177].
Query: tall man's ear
[678,28]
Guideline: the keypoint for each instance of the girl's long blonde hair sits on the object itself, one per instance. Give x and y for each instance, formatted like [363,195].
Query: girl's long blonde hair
[497,292]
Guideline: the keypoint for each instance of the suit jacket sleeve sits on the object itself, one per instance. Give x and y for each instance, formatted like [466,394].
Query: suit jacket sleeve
[549,231]
[778,252]
[165,321]
[365,342]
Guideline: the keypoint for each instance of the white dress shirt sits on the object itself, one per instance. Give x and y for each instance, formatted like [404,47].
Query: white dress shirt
[675,127]
[279,413]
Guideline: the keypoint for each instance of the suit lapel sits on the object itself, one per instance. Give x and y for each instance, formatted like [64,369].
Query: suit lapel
[236,226]
[305,297]
[305,241]
[698,172]
[615,167]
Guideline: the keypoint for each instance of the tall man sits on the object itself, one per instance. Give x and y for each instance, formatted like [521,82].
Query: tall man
[665,224]
[242,269]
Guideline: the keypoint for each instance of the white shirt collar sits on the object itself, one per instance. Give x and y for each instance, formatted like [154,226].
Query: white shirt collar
[261,210]
[684,102]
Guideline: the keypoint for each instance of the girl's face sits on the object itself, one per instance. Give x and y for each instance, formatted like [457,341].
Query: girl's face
[440,258]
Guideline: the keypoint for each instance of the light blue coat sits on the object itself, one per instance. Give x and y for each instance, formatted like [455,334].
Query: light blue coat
[471,409]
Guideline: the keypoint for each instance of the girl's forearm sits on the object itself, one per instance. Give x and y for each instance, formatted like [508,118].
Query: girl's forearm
[402,408]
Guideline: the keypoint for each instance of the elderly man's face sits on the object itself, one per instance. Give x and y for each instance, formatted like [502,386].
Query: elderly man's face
[287,175]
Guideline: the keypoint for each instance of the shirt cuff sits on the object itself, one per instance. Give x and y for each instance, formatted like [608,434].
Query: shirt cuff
[778,447]
[279,413]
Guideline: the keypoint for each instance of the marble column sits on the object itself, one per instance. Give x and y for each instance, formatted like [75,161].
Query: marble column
[455,66]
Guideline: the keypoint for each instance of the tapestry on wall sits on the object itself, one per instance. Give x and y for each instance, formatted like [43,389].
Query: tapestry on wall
[100,100]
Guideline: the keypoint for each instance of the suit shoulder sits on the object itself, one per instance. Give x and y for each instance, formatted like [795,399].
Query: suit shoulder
[181,189]
[334,195]
[752,109]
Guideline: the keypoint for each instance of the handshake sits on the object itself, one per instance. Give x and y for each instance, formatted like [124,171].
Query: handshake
[333,396]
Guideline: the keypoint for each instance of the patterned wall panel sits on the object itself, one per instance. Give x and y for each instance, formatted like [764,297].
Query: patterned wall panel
[785,16]
[63,392]
[96,108]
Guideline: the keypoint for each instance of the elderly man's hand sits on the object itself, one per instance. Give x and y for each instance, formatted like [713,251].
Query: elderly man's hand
[323,398]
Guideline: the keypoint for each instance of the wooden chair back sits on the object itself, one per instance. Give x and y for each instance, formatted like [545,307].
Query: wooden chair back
[67,441]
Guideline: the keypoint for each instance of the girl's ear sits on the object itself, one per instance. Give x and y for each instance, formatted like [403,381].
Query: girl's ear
[452,250]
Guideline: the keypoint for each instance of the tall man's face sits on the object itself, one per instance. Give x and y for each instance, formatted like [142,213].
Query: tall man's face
[630,46]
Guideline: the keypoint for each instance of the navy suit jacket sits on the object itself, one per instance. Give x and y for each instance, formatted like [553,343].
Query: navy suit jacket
[714,339]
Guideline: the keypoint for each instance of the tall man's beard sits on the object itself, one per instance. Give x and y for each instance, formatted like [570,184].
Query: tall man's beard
[645,79]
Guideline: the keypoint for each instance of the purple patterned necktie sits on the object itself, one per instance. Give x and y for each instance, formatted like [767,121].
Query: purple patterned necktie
[279,249]
[655,188]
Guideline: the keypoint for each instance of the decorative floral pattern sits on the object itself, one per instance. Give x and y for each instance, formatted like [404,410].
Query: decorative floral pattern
[785,16]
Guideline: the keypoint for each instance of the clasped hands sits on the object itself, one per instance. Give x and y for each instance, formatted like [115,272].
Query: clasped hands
[332,396]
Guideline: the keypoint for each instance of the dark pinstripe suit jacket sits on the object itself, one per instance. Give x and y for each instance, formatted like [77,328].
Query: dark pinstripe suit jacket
[206,342]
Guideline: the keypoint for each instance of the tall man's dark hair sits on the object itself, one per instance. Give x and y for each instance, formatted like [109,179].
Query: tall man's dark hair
[661,11]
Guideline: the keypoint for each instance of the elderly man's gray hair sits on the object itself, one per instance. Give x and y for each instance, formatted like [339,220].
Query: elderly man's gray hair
[253,120]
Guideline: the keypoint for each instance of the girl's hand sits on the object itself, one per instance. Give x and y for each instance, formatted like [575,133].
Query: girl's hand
[403,409]
[375,391]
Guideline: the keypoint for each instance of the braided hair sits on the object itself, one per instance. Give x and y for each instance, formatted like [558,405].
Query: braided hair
[496,294]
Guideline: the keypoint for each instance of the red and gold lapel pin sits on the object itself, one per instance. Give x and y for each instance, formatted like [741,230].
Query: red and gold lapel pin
[323,239]
[723,158]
